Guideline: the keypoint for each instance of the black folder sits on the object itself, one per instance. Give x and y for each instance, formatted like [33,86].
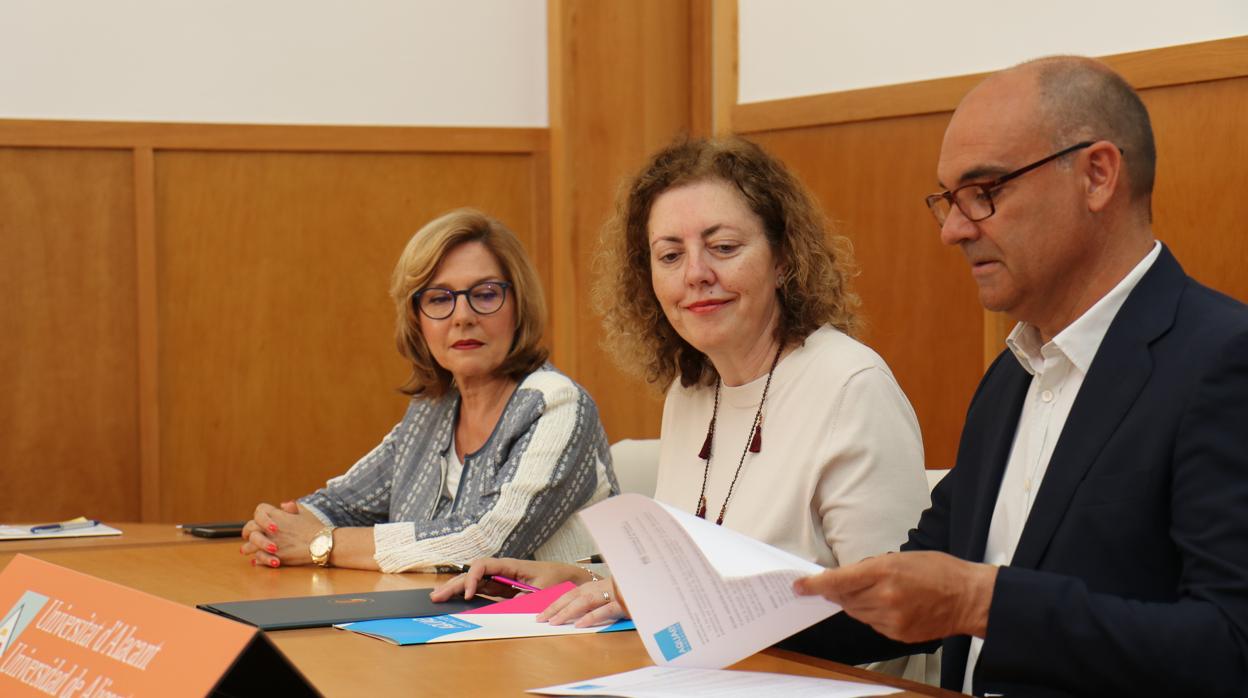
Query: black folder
[320,611]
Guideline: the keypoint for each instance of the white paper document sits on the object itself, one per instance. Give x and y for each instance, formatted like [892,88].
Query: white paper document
[701,595]
[25,532]
[676,682]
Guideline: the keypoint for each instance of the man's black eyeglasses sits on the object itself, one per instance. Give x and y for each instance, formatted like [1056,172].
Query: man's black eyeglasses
[975,200]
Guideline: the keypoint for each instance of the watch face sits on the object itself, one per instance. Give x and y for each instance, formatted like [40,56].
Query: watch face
[320,545]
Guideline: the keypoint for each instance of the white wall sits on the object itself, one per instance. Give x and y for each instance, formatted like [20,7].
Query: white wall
[398,62]
[790,48]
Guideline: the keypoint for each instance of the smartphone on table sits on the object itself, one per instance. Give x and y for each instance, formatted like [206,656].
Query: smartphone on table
[214,529]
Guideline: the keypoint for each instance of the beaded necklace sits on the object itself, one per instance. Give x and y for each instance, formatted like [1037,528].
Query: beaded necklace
[753,444]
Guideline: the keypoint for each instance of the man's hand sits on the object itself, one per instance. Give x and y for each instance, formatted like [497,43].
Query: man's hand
[910,597]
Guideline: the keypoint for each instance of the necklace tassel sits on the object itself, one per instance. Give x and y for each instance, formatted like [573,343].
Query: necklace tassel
[705,453]
[754,445]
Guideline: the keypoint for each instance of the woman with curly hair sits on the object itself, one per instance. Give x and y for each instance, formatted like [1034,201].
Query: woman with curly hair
[721,280]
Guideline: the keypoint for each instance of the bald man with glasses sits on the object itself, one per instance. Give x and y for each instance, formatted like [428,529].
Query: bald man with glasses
[1093,535]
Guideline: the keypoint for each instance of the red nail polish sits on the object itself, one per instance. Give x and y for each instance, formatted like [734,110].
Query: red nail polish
[273,528]
[253,562]
[273,563]
[272,548]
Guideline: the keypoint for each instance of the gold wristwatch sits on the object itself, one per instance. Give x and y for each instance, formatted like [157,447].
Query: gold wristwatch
[322,545]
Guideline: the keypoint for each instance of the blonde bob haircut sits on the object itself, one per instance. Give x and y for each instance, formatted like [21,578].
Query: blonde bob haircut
[418,264]
[816,264]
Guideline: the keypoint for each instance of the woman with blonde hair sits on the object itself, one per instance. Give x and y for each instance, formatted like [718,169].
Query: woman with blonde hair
[722,281]
[497,449]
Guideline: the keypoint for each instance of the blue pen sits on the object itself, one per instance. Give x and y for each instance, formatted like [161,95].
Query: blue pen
[69,526]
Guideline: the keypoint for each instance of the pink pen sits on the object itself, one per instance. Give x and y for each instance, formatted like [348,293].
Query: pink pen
[519,586]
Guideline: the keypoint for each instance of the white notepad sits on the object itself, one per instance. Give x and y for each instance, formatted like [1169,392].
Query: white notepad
[25,533]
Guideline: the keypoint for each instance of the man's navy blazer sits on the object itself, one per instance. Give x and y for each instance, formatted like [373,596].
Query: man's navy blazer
[1131,573]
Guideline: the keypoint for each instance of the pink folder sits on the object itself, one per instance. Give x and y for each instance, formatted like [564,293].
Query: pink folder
[535,602]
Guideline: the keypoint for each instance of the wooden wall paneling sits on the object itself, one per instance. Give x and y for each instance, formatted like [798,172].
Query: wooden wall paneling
[136,474]
[724,65]
[1175,65]
[542,244]
[918,300]
[662,83]
[701,68]
[619,86]
[148,346]
[68,414]
[997,326]
[278,367]
[1199,207]
[909,99]
[1209,60]
[562,291]
[270,138]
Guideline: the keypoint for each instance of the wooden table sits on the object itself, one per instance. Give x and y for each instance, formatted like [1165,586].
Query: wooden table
[340,663]
[132,534]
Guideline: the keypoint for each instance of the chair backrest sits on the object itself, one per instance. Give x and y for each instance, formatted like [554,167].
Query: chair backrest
[934,476]
[636,463]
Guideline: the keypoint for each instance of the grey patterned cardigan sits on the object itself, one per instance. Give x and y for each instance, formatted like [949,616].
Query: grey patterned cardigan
[546,459]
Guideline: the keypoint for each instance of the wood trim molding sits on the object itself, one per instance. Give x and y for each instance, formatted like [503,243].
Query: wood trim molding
[701,68]
[1173,65]
[148,333]
[908,99]
[723,65]
[997,327]
[560,189]
[544,252]
[266,137]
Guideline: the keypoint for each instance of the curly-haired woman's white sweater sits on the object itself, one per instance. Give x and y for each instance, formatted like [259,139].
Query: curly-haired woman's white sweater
[840,476]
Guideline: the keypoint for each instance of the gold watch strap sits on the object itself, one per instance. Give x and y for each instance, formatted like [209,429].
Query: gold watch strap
[327,532]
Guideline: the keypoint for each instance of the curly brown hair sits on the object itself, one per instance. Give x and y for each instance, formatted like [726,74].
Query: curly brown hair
[817,263]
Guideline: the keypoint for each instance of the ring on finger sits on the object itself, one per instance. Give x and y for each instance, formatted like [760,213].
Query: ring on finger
[606,597]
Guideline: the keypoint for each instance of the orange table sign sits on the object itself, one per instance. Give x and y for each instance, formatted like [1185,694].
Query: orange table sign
[71,635]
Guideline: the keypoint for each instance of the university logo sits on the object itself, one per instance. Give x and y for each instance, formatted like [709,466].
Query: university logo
[18,617]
